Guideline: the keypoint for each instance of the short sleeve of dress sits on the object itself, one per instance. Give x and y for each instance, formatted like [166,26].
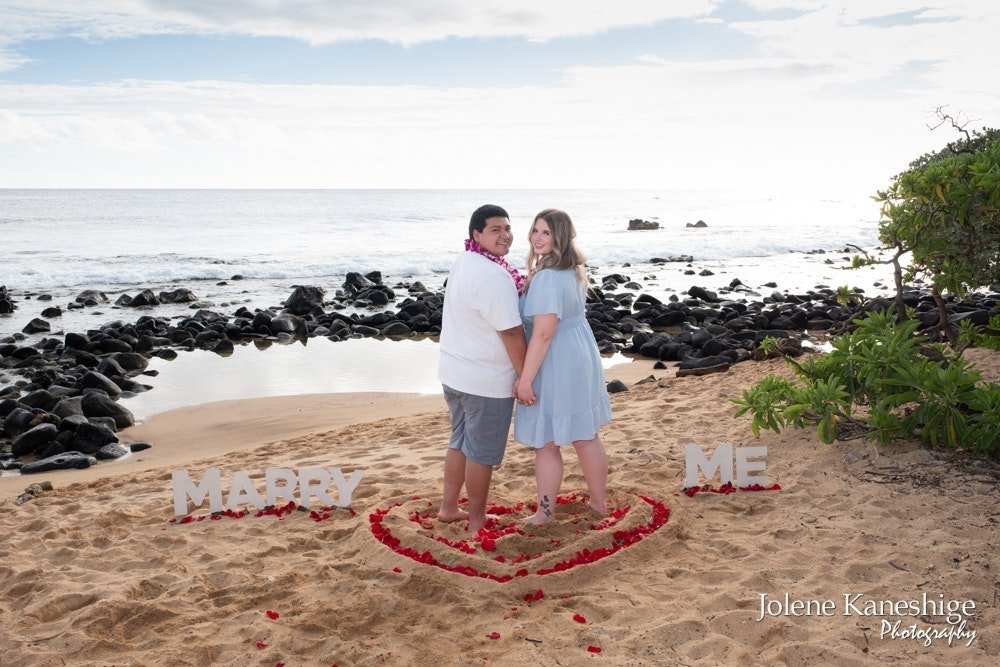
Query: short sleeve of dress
[545,294]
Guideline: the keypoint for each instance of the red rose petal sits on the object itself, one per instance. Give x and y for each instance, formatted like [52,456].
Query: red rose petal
[493,635]
[260,644]
[534,597]
[273,615]
[579,618]
[594,649]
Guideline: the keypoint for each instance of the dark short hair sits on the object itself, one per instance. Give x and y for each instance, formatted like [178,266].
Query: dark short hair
[482,214]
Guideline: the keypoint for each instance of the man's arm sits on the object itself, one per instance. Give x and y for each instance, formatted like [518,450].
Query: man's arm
[514,343]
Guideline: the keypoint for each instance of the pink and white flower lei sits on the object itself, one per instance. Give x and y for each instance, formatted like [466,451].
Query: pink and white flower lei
[473,246]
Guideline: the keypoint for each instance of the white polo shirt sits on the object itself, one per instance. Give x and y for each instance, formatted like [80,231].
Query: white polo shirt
[480,300]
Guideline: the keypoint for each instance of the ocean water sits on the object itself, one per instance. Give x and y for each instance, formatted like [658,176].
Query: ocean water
[57,239]
[56,243]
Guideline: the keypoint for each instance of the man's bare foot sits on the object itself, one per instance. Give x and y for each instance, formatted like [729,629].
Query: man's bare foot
[538,519]
[449,517]
[475,525]
[599,510]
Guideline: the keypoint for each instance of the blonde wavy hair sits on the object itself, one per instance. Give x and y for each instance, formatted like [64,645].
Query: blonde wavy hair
[565,254]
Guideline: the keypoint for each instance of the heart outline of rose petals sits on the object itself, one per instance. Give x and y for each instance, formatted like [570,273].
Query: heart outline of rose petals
[621,538]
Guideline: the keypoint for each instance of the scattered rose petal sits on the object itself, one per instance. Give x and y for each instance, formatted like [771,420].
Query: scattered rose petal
[397,570]
[726,488]
[594,649]
[493,635]
[273,615]
[260,644]
[579,618]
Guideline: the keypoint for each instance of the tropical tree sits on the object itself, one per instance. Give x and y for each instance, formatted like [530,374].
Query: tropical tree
[945,212]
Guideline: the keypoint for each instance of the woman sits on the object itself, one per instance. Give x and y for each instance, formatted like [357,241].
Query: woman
[561,395]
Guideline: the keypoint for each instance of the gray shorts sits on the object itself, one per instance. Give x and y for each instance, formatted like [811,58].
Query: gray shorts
[479,425]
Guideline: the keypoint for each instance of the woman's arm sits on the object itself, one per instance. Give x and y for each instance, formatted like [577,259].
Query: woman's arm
[543,329]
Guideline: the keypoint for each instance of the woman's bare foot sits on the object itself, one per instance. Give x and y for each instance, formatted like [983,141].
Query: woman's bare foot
[538,519]
[449,517]
[599,510]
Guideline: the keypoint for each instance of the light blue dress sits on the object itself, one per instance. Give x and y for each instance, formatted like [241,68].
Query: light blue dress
[572,397]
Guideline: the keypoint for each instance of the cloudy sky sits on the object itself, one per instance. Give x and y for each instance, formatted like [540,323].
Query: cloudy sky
[769,95]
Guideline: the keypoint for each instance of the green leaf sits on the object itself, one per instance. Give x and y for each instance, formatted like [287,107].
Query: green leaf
[826,429]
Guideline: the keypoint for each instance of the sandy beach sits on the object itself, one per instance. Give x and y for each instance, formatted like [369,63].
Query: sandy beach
[96,573]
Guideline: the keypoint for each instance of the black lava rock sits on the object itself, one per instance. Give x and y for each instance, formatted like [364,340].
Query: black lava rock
[89,438]
[97,404]
[304,300]
[112,451]
[33,439]
[37,325]
[59,462]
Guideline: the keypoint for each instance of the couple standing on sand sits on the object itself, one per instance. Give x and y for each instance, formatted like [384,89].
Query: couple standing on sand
[507,337]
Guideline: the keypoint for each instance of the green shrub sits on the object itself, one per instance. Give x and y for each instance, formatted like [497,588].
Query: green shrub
[768,345]
[984,430]
[944,214]
[910,388]
[976,336]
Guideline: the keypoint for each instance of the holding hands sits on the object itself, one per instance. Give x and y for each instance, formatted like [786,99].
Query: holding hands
[523,392]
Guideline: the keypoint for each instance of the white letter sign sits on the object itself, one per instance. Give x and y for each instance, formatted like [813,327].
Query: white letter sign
[721,463]
[279,488]
[744,467]
[185,487]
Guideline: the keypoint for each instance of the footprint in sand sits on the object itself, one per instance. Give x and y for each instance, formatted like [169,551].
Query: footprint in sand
[64,604]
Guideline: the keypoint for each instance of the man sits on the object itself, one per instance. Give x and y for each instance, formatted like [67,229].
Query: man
[482,352]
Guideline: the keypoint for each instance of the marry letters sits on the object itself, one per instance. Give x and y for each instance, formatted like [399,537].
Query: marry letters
[279,487]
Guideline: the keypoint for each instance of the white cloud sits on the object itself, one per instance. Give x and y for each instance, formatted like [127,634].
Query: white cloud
[805,114]
[959,42]
[641,126]
[319,21]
